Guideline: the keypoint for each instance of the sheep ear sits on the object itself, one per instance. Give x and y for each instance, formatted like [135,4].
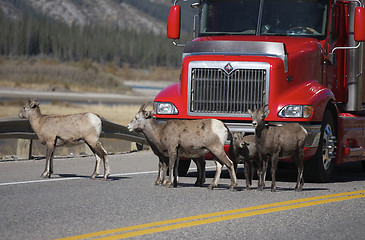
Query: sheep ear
[249,111]
[33,103]
[243,134]
[266,113]
[148,114]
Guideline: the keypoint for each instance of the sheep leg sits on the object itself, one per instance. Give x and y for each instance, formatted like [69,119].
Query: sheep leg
[49,161]
[106,167]
[247,170]
[261,172]
[224,159]
[97,163]
[97,166]
[172,159]
[176,171]
[218,171]
[99,153]
[252,172]
[164,173]
[298,159]
[104,156]
[274,166]
[200,165]
[159,180]
[232,174]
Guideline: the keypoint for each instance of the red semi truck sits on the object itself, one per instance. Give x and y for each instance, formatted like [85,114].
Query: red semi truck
[302,58]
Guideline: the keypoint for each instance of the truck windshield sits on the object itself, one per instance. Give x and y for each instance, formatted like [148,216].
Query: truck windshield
[306,18]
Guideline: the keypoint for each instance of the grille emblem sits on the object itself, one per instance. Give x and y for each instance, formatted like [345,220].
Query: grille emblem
[228,68]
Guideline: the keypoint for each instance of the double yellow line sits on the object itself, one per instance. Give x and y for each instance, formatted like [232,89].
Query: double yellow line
[161,226]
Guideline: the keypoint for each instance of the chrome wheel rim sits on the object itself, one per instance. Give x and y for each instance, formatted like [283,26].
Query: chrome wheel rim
[328,147]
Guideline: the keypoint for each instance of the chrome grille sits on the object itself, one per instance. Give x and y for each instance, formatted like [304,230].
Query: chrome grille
[214,92]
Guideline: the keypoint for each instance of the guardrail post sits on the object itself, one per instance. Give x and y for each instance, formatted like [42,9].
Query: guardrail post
[24,149]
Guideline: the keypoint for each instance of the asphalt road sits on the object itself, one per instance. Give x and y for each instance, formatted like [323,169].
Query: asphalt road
[129,205]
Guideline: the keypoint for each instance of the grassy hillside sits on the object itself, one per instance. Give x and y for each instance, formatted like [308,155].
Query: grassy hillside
[81,76]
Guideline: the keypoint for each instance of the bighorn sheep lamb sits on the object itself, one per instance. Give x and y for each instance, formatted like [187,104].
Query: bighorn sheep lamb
[184,138]
[59,130]
[243,150]
[278,142]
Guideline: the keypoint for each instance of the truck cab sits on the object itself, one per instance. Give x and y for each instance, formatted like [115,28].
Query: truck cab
[302,58]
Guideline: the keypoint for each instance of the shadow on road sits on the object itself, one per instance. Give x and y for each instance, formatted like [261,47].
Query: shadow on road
[287,172]
[99,177]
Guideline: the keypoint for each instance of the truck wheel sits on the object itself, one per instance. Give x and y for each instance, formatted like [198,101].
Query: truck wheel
[183,167]
[363,164]
[319,168]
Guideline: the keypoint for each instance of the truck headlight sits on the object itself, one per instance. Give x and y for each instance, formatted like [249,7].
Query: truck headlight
[165,108]
[296,111]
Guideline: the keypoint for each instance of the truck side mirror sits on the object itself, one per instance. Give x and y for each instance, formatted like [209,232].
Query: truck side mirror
[173,22]
[359,27]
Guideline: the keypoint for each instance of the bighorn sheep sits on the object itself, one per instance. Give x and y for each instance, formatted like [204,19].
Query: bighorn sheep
[184,138]
[278,142]
[59,130]
[243,150]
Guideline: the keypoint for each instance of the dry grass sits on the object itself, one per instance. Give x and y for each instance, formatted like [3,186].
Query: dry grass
[46,75]
[82,76]
[121,114]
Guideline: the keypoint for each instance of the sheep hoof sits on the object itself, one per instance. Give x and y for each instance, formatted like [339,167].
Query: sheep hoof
[158,183]
[211,186]
[106,177]
[198,184]
[93,176]
[232,187]
[46,174]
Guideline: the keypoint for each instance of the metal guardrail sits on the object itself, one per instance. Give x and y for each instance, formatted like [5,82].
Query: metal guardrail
[14,127]
[113,130]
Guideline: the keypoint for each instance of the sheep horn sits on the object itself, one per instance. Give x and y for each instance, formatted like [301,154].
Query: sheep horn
[143,107]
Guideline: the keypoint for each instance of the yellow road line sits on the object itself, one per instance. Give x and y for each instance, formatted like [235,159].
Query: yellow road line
[178,223]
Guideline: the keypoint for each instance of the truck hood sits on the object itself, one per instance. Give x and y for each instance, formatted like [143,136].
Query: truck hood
[276,46]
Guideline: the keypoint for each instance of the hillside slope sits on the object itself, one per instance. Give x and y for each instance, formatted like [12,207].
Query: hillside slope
[141,15]
[99,11]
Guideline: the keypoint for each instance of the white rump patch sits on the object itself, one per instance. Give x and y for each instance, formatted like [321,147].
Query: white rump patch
[219,129]
[96,121]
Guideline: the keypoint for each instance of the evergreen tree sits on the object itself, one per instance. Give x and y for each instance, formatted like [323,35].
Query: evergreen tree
[36,34]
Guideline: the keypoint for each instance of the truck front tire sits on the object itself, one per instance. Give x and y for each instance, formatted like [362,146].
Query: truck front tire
[319,168]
